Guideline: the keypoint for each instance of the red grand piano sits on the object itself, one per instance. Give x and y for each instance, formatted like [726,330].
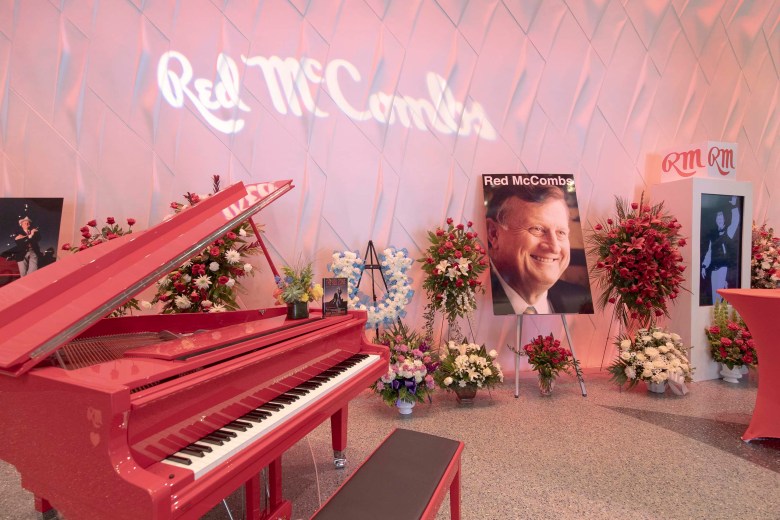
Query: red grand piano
[160,417]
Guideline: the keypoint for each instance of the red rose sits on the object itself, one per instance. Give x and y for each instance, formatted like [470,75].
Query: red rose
[467,249]
[449,221]
[194,198]
[83,230]
[85,234]
[110,221]
[441,250]
[726,342]
[458,254]
[469,223]
[214,251]
[611,300]
[231,235]
[112,236]
[609,221]
[634,205]
[223,280]
[459,282]
[92,223]
[448,244]
[681,242]
[460,226]
[429,260]
[174,205]
[131,222]
[439,232]
[714,329]
[66,247]
[598,227]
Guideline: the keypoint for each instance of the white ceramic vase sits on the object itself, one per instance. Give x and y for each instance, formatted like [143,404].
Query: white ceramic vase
[730,375]
[657,388]
[404,407]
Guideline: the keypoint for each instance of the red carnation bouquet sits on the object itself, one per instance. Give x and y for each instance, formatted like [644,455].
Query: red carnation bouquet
[638,264]
[208,282]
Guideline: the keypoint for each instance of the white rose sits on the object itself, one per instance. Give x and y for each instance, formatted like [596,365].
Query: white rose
[447,381]
[493,354]
[487,372]
[625,344]
[646,339]
[146,305]
[214,266]
[640,357]
[625,356]
[676,337]
[657,335]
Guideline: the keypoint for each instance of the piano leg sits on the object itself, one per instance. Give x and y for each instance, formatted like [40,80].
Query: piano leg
[252,496]
[278,509]
[44,509]
[338,433]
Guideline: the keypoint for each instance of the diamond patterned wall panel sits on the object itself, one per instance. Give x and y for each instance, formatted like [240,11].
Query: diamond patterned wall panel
[302,90]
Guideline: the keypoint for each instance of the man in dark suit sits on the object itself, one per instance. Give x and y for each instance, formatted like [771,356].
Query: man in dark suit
[528,245]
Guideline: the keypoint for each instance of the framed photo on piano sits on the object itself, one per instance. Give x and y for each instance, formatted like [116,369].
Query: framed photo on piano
[29,231]
[334,296]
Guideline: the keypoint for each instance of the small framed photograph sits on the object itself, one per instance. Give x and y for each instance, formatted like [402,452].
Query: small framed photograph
[29,231]
[334,296]
[720,245]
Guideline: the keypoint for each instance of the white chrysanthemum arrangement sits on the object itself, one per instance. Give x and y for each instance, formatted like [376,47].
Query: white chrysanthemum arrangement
[654,356]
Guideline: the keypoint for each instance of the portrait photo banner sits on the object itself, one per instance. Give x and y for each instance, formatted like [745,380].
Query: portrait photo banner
[535,244]
[720,248]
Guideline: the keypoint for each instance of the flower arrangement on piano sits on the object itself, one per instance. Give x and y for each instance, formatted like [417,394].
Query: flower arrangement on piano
[297,285]
[730,340]
[209,281]
[638,264]
[548,358]
[93,235]
[654,356]
[452,263]
[468,365]
[764,258]
[409,376]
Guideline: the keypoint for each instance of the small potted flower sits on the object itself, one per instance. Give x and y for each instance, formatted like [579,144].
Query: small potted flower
[465,368]
[731,343]
[548,358]
[297,288]
[409,377]
[656,357]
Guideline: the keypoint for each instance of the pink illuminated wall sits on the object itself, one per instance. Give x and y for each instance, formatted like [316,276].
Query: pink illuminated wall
[121,106]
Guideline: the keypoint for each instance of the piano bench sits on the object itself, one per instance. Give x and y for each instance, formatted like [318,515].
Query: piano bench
[406,477]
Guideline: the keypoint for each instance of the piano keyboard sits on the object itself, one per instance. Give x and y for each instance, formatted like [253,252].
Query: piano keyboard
[212,450]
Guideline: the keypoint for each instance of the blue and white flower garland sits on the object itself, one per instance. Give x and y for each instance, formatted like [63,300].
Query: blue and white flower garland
[395,265]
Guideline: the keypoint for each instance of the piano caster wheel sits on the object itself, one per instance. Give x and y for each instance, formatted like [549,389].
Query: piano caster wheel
[339,459]
[51,514]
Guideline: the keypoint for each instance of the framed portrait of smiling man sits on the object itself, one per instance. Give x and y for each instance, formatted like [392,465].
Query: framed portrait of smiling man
[535,245]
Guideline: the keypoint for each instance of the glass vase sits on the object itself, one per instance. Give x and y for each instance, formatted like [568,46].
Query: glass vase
[546,385]
[465,394]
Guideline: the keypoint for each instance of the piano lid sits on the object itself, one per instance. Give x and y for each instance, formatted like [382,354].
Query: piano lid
[45,309]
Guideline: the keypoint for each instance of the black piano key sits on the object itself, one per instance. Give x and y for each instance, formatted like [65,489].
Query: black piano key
[180,460]
[225,433]
[270,407]
[260,413]
[282,400]
[308,385]
[252,418]
[201,447]
[189,451]
[298,391]
[212,440]
[237,427]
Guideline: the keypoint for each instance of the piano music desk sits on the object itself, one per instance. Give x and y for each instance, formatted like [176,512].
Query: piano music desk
[406,477]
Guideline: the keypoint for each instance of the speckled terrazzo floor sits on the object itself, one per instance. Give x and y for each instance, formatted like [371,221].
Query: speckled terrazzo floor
[610,455]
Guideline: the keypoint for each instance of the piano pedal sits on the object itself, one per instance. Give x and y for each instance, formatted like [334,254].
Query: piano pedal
[339,459]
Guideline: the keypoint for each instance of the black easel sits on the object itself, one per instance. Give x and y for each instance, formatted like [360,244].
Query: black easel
[371,261]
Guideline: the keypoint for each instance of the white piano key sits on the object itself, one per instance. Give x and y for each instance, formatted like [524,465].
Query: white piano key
[202,465]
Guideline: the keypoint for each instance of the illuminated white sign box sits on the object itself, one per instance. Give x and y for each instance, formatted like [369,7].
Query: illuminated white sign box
[711,159]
